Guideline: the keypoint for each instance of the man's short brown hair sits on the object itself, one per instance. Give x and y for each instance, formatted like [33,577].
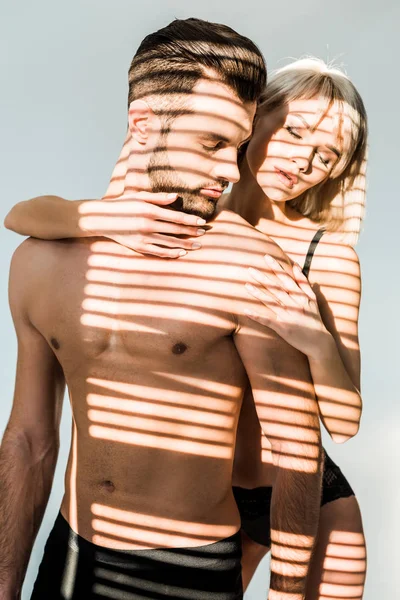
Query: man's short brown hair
[170,62]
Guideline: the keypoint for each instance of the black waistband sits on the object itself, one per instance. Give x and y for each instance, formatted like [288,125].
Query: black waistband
[225,548]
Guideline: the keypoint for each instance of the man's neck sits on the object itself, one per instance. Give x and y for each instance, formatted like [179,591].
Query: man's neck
[129,173]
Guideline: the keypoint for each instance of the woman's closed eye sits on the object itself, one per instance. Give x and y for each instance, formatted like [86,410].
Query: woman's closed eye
[293,132]
[325,161]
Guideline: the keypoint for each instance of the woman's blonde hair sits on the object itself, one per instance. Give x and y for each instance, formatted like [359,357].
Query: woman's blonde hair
[338,203]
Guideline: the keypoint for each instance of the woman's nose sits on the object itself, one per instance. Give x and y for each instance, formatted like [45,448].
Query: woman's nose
[301,157]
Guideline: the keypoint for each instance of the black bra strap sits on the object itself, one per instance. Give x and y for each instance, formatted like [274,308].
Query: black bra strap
[311,250]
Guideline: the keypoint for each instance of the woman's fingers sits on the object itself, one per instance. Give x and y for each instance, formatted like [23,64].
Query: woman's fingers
[268,320]
[138,225]
[146,247]
[167,214]
[158,244]
[172,228]
[172,242]
[274,286]
[140,205]
[175,216]
[141,220]
[303,282]
[272,304]
[154,250]
[160,198]
[285,278]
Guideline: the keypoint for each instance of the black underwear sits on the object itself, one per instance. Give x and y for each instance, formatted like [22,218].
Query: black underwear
[73,568]
[254,505]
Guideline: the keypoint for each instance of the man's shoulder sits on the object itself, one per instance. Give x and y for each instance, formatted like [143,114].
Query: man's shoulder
[233,245]
[26,253]
[226,219]
[35,258]
[242,235]
[30,251]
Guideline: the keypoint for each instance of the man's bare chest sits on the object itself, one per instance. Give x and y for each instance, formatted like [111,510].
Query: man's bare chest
[128,307]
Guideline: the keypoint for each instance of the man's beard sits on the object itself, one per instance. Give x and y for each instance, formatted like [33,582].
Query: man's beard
[163,178]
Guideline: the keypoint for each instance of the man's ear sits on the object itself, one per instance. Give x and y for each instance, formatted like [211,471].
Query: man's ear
[140,120]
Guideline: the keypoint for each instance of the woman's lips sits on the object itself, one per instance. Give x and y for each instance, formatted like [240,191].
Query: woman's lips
[287,178]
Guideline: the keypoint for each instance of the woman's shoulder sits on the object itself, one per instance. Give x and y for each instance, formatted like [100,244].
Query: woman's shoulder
[333,246]
[335,263]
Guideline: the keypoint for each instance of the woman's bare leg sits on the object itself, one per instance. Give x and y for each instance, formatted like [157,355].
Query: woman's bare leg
[252,554]
[338,567]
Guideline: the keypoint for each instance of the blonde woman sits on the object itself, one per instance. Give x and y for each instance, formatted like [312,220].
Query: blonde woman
[303,184]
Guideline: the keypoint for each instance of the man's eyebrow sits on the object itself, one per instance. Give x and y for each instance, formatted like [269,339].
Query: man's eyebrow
[214,137]
[219,137]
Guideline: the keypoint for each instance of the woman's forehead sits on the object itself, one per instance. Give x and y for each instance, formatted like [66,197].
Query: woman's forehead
[314,110]
[321,113]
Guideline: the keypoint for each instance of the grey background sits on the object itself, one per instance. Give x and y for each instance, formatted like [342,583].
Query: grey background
[62,122]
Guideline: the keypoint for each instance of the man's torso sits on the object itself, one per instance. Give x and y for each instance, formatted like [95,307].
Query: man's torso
[155,383]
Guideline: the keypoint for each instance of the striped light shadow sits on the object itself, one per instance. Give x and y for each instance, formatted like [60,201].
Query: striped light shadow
[127,289]
[285,413]
[162,418]
[344,567]
[128,530]
[122,296]
[214,402]
[340,409]
[291,555]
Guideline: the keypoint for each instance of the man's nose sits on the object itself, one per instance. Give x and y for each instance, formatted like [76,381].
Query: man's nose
[227,169]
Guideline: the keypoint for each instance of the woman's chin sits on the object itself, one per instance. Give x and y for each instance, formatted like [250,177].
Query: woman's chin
[275,195]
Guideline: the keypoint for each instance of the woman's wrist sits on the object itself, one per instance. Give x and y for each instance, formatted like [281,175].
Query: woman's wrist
[91,219]
[275,595]
[324,350]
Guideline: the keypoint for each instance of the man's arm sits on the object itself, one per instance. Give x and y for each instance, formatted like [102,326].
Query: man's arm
[288,412]
[29,449]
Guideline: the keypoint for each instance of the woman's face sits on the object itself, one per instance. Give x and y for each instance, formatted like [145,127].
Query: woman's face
[293,148]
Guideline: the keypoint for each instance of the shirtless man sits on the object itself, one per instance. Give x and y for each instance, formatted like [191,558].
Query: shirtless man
[157,356]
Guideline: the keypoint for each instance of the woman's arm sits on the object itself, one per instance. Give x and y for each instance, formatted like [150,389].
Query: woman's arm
[323,324]
[335,370]
[138,221]
[47,217]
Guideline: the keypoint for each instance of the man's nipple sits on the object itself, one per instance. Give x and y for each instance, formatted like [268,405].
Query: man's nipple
[179,348]
[54,343]
[108,486]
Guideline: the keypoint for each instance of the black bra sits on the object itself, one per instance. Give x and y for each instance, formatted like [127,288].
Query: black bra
[311,250]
